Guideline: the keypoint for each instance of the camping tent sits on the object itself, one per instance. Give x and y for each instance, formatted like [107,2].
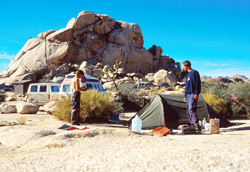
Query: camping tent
[170,109]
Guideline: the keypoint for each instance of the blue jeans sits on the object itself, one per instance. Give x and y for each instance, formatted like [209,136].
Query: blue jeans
[75,112]
[192,109]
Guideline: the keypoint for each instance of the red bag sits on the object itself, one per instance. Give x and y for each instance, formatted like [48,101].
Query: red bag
[161,131]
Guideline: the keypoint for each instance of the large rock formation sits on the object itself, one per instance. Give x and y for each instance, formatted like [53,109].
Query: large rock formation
[90,37]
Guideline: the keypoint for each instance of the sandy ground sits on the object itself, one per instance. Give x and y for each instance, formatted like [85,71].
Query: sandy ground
[40,146]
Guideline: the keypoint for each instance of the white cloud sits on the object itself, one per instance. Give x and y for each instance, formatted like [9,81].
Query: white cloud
[215,64]
[6,56]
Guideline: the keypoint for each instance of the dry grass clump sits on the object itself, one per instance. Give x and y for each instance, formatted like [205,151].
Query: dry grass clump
[63,109]
[95,107]
[22,120]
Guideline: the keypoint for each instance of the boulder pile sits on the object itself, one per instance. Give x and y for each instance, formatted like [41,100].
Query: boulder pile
[91,37]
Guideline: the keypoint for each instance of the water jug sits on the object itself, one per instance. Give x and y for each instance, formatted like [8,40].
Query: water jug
[136,123]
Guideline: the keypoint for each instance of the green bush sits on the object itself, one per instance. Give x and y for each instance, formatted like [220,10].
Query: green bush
[129,94]
[217,89]
[63,109]
[242,95]
[217,103]
[95,107]
[235,96]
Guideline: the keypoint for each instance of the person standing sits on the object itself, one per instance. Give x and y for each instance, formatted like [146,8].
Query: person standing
[192,91]
[76,96]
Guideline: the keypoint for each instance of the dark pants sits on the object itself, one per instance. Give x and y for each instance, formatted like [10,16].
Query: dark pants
[75,113]
[191,109]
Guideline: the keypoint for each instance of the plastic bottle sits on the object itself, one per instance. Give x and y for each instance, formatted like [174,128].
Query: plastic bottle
[136,123]
[204,123]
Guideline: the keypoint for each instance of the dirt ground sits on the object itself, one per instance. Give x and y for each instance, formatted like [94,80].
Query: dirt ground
[39,145]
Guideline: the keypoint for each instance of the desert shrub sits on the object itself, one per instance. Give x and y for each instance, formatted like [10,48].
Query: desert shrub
[217,103]
[242,94]
[118,107]
[95,107]
[233,95]
[181,75]
[217,89]
[130,96]
[63,109]
[22,120]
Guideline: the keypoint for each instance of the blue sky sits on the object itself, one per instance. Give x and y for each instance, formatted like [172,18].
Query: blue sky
[213,34]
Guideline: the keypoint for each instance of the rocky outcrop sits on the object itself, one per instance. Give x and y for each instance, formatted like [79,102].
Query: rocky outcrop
[49,107]
[163,77]
[90,37]
[242,77]
[150,77]
[6,109]
[27,108]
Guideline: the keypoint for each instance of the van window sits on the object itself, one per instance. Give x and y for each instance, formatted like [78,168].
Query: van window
[43,88]
[66,88]
[89,86]
[33,88]
[54,88]
[100,88]
[70,76]
[95,87]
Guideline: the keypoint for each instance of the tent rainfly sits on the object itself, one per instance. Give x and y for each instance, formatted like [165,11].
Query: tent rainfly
[170,110]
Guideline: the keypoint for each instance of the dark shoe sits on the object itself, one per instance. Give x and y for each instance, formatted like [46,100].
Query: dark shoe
[75,123]
[64,126]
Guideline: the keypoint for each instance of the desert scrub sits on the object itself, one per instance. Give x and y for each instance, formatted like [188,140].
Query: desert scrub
[217,89]
[22,120]
[63,109]
[130,94]
[95,107]
[217,103]
[241,93]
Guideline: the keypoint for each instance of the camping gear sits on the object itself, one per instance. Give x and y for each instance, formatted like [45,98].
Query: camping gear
[115,117]
[136,123]
[68,127]
[207,126]
[204,123]
[214,126]
[64,127]
[85,128]
[170,109]
[200,123]
[180,127]
[190,130]
[161,131]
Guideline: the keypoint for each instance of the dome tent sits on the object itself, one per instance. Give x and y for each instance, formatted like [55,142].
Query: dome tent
[170,110]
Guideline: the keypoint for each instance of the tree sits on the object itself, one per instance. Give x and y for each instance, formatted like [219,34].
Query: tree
[111,73]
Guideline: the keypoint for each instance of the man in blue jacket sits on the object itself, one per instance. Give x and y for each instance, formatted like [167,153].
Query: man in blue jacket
[192,91]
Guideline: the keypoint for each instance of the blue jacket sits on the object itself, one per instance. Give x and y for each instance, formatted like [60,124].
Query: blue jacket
[193,83]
